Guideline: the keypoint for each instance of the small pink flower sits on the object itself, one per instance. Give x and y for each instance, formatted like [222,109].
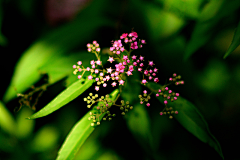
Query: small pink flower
[170,79]
[148,104]
[129,73]
[124,63]
[154,74]
[176,112]
[161,113]
[145,91]
[107,77]
[177,94]
[79,69]
[121,82]
[150,63]
[89,49]
[141,102]
[175,98]
[166,88]
[141,64]
[141,58]
[98,49]
[150,71]
[96,71]
[114,84]
[156,80]
[97,79]
[135,63]
[134,57]
[95,42]
[79,76]
[170,91]
[104,84]
[124,35]
[97,88]
[90,77]
[88,45]
[159,90]
[118,52]
[174,74]
[98,62]
[125,57]
[79,63]
[143,41]
[74,66]
[165,102]
[109,70]
[128,61]
[157,95]
[139,69]
[88,69]
[134,34]
[110,59]
[144,81]
[150,77]
[155,70]
[93,66]
[145,72]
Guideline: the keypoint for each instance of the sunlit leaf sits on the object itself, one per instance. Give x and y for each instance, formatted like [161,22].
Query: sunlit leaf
[78,135]
[53,45]
[7,122]
[235,42]
[60,67]
[24,126]
[64,97]
[191,119]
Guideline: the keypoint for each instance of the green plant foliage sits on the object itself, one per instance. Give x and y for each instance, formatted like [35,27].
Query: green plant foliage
[206,26]
[24,126]
[7,122]
[235,42]
[51,46]
[70,93]
[137,120]
[79,133]
[45,139]
[191,119]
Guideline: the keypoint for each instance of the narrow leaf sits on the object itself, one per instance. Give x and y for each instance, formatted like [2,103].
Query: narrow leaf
[78,135]
[64,97]
[235,42]
[191,119]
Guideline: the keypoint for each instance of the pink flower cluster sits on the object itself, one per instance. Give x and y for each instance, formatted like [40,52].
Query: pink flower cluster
[125,64]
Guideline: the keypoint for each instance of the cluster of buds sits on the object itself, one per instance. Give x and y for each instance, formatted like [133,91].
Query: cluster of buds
[115,76]
[103,108]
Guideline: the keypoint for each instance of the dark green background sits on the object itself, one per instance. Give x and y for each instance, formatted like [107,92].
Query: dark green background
[188,37]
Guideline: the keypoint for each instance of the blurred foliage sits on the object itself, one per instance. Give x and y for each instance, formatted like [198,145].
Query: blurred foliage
[189,37]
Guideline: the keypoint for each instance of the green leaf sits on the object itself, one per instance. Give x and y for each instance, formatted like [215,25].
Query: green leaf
[60,67]
[137,119]
[69,94]
[7,122]
[78,135]
[191,119]
[235,42]
[53,45]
